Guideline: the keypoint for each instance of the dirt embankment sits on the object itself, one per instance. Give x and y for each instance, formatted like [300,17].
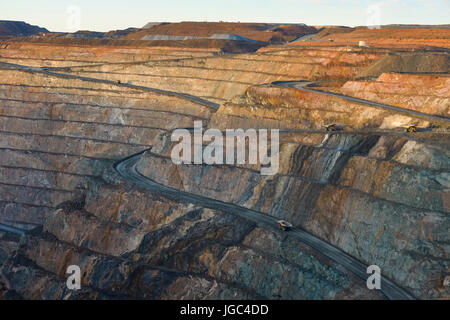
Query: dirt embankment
[414,37]
[256,31]
[379,198]
[424,93]
[58,135]
[223,77]
[217,45]
[409,63]
[65,52]
[379,195]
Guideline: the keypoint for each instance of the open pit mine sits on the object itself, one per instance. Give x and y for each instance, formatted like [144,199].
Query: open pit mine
[87,176]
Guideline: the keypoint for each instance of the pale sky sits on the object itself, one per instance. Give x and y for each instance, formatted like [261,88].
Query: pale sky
[105,15]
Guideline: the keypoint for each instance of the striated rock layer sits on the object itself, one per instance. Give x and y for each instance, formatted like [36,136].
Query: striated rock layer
[376,197]
[377,193]
[162,249]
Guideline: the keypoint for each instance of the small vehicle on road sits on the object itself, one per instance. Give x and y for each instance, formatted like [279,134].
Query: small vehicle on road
[284,225]
[332,127]
[410,128]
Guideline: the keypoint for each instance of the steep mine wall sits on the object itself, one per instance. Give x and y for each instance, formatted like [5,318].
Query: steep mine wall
[93,53]
[385,37]
[424,93]
[59,135]
[224,77]
[132,243]
[381,196]
[409,63]
[377,193]
[377,207]
[66,55]
[290,108]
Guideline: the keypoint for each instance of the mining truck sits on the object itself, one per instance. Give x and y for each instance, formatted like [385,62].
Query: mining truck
[284,225]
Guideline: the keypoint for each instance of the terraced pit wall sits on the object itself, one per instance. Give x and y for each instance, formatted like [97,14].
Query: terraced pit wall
[376,193]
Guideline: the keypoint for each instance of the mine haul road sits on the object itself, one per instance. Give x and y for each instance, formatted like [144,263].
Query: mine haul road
[298,84]
[306,86]
[127,169]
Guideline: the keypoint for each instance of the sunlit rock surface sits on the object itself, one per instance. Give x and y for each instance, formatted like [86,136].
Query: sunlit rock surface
[372,190]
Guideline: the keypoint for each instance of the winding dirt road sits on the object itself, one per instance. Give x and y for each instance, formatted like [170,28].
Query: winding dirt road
[306,86]
[46,71]
[127,169]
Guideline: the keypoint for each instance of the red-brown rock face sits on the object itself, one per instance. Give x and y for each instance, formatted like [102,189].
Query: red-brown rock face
[147,228]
